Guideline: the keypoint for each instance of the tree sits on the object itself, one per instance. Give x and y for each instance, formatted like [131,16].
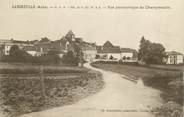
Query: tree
[128,58]
[18,55]
[97,56]
[51,57]
[144,45]
[124,57]
[53,54]
[78,51]
[70,35]
[14,50]
[151,53]
[45,39]
[70,59]
[111,57]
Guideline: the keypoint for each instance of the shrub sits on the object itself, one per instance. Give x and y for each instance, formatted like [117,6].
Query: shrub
[170,109]
[115,62]
[47,59]
[171,84]
[97,56]
[70,59]
[111,57]
[17,55]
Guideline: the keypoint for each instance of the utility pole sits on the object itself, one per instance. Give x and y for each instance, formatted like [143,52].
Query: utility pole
[41,74]
[80,58]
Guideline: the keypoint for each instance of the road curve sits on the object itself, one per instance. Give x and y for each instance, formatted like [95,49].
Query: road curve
[118,98]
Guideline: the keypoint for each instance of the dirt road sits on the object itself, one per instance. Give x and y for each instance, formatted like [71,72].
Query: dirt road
[118,98]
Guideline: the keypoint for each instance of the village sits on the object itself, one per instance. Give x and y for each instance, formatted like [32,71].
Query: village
[53,78]
[91,58]
[91,51]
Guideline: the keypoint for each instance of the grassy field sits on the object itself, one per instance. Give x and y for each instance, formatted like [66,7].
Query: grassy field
[137,71]
[168,79]
[26,66]
[179,67]
[21,87]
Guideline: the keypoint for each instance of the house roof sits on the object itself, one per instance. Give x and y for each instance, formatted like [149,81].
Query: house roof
[5,41]
[88,46]
[70,32]
[14,41]
[30,48]
[174,53]
[78,40]
[70,35]
[44,40]
[108,47]
[33,42]
[21,42]
[108,44]
[101,49]
[127,50]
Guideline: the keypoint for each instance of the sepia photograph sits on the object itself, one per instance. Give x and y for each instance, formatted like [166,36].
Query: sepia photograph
[83,58]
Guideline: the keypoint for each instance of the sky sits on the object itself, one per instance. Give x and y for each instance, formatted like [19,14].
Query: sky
[123,27]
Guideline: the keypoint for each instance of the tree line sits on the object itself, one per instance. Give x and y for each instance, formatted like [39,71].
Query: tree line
[51,57]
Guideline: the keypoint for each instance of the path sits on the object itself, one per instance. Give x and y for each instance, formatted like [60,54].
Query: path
[114,100]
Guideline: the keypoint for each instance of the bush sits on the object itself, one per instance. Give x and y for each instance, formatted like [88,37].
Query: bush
[17,55]
[171,84]
[70,59]
[170,109]
[97,56]
[115,62]
[47,59]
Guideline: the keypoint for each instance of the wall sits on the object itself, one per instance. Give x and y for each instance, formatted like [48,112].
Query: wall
[179,59]
[175,59]
[89,54]
[7,49]
[115,55]
[127,55]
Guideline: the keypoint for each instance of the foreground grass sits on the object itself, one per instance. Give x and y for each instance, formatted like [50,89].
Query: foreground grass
[21,90]
[20,68]
[169,81]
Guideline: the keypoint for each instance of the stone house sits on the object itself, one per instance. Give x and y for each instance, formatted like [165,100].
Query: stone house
[109,52]
[89,51]
[174,58]
[129,55]
[7,44]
